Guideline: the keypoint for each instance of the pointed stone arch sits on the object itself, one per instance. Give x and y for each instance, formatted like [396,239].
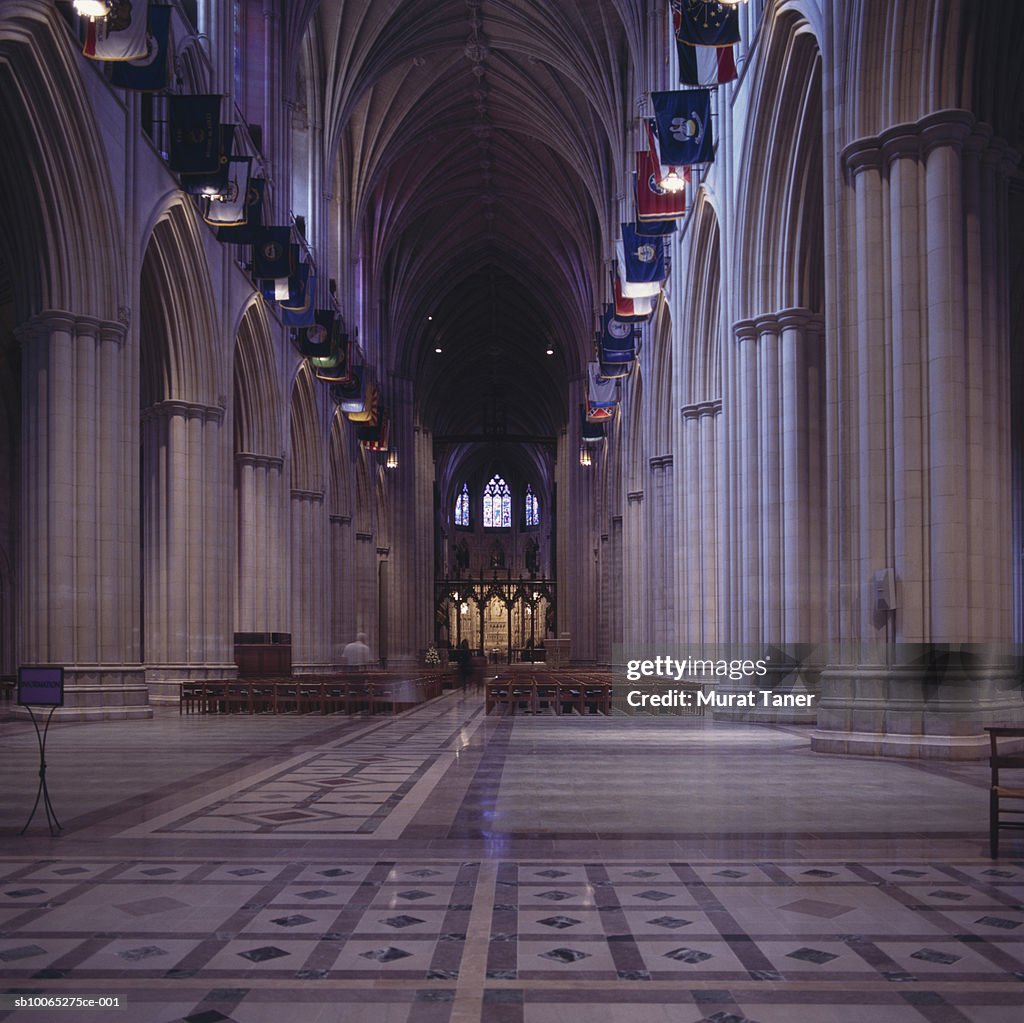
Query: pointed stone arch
[55,200]
[261,502]
[781,217]
[178,328]
[257,402]
[188,527]
[311,615]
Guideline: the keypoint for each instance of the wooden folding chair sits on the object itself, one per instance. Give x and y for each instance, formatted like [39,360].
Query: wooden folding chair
[999,790]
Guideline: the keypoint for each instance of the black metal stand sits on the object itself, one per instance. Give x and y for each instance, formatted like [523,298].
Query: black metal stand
[43,792]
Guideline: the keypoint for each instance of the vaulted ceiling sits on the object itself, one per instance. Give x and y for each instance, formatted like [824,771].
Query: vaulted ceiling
[479,159]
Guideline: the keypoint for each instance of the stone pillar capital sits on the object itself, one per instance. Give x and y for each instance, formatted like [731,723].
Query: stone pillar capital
[635,496]
[53,321]
[946,128]
[903,141]
[661,462]
[768,323]
[862,155]
[702,408]
[185,410]
[745,330]
[797,319]
[258,461]
[310,496]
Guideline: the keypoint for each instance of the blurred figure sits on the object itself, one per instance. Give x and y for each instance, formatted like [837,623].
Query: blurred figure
[357,654]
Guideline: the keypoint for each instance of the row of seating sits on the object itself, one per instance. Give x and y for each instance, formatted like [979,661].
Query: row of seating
[359,694]
[549,694]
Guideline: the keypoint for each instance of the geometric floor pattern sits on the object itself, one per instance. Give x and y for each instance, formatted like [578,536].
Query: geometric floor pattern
[421,889]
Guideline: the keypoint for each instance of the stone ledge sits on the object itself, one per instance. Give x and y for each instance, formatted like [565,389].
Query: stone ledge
[893,744]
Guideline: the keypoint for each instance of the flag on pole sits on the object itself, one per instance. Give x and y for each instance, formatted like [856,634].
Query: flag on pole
[705,66]
[653,200]
[151,72]
[643,258]
[272,254]
[684,126]
[705,22]
[350,395]
[214,182]
[602,398]
[248,232]
[228,209]
[121,35]
[630,309]
[195,142]
[590,433]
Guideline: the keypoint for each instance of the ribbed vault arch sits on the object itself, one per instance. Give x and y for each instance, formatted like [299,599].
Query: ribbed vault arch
[701,330]
[177,327]
[781,215]
[55,202]
[257,402]
[306,445]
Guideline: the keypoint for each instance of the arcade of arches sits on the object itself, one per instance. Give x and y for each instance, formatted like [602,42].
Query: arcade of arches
[817,457]
[821,403]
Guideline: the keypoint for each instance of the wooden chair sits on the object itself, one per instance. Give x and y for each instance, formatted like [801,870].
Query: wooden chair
[545,696]
[596,698]
[498,695]
[999,790]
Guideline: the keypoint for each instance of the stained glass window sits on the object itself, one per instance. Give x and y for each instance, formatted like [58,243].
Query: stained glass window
[462,506]
[497,504]
[532,507]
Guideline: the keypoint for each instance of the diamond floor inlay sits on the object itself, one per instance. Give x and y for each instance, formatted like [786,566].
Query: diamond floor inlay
[384,869]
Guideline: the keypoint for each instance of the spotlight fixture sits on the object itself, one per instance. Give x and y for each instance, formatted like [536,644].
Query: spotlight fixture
[392,462]
[585,459]
[437,351]
[673,181]
[92,8]
[549,350]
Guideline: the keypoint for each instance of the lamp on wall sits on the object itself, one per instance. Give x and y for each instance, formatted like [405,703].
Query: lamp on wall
[392,460]
[585,459]
[92,8]
[673,181]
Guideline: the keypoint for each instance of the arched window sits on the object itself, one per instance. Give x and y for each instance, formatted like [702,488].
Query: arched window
[462,506]
[532,507]
[497,504]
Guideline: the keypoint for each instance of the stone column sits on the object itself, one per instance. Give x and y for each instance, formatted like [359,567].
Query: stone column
[768,454]
[262,603]
[691,533]
[636,623]
[187,546]
[748,599]
[340,575]
[661,552]
[311,617]
[78,571]
[921,674]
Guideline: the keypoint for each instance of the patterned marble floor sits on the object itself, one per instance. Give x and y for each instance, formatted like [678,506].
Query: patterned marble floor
[444,866]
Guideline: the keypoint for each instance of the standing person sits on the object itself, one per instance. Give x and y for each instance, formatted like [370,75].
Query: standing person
[464,660]
[357,654]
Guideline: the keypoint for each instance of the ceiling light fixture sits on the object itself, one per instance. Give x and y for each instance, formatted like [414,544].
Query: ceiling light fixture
[549,350]
[437,350]
[92,8]
[673,181]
